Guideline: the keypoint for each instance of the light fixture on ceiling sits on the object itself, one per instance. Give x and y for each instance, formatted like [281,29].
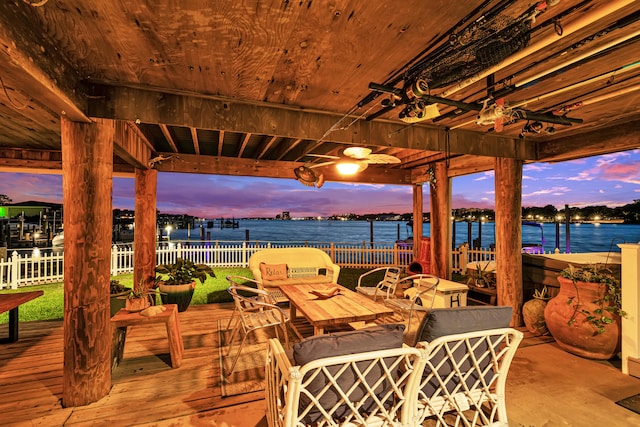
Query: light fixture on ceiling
[350,167]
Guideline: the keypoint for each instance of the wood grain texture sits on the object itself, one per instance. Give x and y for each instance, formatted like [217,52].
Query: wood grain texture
[87,166]
[144,239]
[441,223]
[418,210]
[508,186]
[339,310]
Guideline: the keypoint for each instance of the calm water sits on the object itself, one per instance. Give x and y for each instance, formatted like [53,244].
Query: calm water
[583,237]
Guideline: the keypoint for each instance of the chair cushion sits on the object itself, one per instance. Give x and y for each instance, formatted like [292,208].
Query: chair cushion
[449,321]
[273,271]
[378,337]
[351,342]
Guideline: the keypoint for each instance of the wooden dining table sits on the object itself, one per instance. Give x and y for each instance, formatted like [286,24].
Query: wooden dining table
[347,307]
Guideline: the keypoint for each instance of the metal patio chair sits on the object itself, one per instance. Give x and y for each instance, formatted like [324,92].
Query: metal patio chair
[419,295]
[254,309]
[391,277]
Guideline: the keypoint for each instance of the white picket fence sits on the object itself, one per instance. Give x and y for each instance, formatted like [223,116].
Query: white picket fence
[33,268]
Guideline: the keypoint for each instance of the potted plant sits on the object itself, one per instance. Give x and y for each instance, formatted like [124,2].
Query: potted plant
[482,278]
[132,299]
[177,281]
[585,317]
[533,312]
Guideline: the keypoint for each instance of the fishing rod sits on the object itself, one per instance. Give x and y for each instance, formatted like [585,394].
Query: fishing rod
[569,105]
[523,114]
[561,90]
[399,75]
[565,66]
[588,18]
[524,102]
[445,49]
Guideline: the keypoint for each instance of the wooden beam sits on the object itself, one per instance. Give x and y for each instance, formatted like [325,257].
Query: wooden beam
[196,142]
[45,162]
[440,222]
[215,165]
[130,147]
[220,142]
[42,69]
[87,159]
[144,239]
[508,188]
[243,145]
[216,113]
[418,210]
[621,136]
[169,138]
[465,165]
[265,146]
[13,158]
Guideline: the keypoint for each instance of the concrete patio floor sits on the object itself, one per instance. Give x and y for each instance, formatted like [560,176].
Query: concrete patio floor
[546,387]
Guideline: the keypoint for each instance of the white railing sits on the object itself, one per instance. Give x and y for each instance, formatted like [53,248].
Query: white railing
[463,255]
[29,268]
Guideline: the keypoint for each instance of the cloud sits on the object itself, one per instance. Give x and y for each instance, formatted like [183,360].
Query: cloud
[537,167]
[628,172]
[582,176]
[555,191]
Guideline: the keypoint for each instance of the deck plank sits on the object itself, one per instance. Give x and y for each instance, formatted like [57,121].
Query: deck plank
[145,389]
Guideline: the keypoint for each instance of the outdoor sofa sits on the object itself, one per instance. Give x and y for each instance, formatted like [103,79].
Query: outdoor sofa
[274,267]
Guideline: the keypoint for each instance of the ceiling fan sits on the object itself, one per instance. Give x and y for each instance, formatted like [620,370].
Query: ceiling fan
[352,161]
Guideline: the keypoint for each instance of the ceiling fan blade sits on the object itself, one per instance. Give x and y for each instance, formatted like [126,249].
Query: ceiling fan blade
[381,159]
[359,153]
[323,156]
[318,165]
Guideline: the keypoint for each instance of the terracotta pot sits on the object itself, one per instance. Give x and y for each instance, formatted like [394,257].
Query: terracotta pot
[533,314]
[136,304]
[177,294]
[581,337]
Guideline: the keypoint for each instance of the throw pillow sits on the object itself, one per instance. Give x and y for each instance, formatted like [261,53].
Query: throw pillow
[273,271]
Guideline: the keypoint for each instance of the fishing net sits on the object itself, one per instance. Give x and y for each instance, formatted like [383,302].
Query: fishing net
[478,47]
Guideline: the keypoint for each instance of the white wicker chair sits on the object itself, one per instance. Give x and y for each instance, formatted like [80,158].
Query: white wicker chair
[463,383]
[391,277]
[374,388]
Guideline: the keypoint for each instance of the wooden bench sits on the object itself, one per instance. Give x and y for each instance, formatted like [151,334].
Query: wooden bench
[10,303]
[475,292]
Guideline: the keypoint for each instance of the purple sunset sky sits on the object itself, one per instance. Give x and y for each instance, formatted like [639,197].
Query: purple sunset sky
[611,180]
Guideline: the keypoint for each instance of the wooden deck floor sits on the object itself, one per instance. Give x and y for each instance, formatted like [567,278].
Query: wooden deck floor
[145,389]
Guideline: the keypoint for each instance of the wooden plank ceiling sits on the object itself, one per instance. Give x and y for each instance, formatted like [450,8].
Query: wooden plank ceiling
[254,87]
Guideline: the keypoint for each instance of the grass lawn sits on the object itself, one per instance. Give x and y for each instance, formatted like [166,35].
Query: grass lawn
[50,306]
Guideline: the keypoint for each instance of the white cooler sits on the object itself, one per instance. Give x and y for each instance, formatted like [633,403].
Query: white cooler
[450,294]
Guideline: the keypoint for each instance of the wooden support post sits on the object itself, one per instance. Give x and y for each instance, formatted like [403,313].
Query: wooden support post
[417,219]
[508,186]
[144,239]
[87,165]
[441,223]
